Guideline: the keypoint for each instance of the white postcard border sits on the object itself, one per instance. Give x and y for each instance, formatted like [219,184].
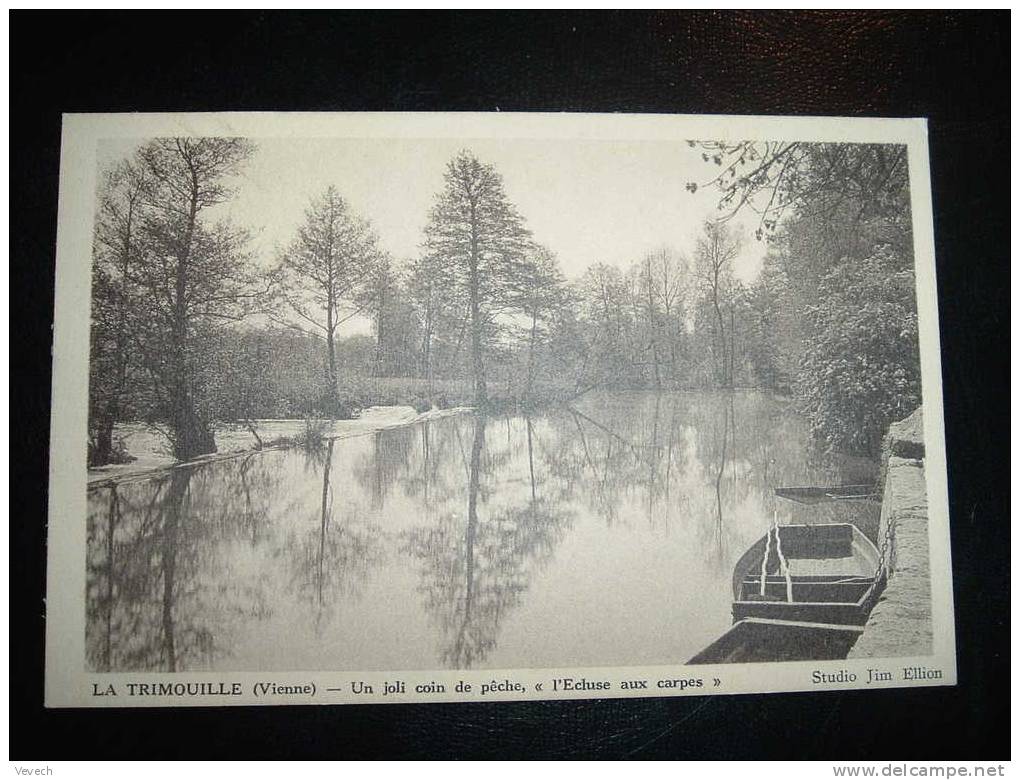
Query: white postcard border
[68,684]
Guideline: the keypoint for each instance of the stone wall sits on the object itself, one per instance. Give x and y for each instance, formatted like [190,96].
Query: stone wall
[900,624]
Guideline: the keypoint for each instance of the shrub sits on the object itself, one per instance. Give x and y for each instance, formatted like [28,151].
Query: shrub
[313,434]
[118,454]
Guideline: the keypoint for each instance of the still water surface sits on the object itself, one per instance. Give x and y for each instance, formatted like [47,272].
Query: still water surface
[604,534]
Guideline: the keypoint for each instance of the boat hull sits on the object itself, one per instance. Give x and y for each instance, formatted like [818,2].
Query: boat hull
[819,495]
[758,640]
[833,576]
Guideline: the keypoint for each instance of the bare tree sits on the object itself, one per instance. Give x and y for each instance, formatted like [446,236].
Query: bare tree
[378,299]
[425,293]
[653,315]
[540,291]
[605,298]
[323,274]
[193,274]
[715,253]
[670,281]
[114,299]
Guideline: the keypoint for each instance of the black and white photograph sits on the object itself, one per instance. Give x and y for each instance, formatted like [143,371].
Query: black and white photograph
[436,407]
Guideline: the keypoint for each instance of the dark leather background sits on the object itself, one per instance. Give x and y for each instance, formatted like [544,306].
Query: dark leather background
[951,67]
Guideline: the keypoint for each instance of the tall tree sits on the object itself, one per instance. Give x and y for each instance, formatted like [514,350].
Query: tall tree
[660,284]
[667,274]
[716,250]
[652,317]
[604,298]
[434,298]
[540,293]
[773,326]
[379,300]
[114,301]
[475,231]
[193,275]
[323,274]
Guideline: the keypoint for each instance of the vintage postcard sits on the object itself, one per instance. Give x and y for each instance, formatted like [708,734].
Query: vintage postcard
[469,407]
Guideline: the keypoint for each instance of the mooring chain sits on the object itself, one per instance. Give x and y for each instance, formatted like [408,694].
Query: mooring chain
[891,533]
[888,549]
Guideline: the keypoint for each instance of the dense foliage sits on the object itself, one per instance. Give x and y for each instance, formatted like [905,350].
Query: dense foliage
[836,296]
[856,375]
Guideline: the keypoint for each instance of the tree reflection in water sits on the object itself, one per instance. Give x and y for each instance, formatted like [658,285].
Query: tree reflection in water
[619,455]
[693,461]
[475,563]
[446,533]
[333,558]
[157,596]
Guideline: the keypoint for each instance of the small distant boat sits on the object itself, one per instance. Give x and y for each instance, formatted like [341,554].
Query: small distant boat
[758,640]
[825,573]
[818,495]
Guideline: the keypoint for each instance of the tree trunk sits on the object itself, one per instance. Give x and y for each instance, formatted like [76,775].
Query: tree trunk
[103,446]
[732,347]
[531,352]
[531,467]
[721,359]
[332,384]
[651,325]
[191,434]
[455,358]
[254,432]
[477,361]
[427,359]
[101,449]
[379,343]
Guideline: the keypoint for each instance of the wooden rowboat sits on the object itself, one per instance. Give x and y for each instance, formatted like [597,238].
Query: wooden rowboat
[826,573]
[758,640]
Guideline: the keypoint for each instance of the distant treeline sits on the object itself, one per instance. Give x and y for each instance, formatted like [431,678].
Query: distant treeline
[188,330]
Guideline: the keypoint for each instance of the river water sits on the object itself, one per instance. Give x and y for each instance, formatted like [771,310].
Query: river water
[603,534]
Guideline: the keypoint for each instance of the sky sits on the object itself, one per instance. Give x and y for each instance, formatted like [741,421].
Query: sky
[588,201]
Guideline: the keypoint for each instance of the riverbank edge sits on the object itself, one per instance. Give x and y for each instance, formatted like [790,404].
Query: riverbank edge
[100,479]
[900,625]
